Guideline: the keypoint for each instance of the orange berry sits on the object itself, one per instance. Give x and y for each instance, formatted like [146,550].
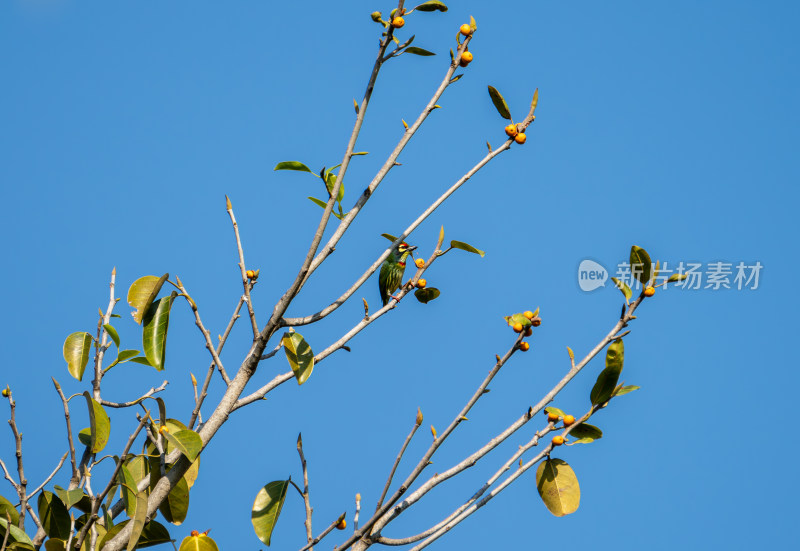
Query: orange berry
[536,322]
[341,525]
[397,22]
[6,393]
[552,417]
[195,533]
[419,263]
[465,29]
[528,314]
[649,291]
[163,428]
[528,331]
[558,440]
[250,274]
[524,346]
[511,130]
[569,420]
[520,138]
[466,59]
[517,327]
[421,283]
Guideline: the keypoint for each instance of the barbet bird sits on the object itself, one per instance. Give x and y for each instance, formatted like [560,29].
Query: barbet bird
[391,275]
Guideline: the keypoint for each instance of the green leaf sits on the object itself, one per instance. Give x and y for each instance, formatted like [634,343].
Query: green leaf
[123,356]
[417,51]
[625,390]
[389,236]
[69,497]
[85,436]
[139,519]
[99,425]
[154,332]
[558,487]
[7,507]
[267,508]
[299,354]
[607,380]
[622,286]
[330,182]
[677,277]
[198,543]
[554,410]
[55,545]
[293,165]
[427,294]
[187,441]
[112,333]
[585,433]
[14,534]
[431,5]
[175,507]
[466,247]
[499,103]
[641,265]
[142,293]
[77,348]
[141,360]
[127,486]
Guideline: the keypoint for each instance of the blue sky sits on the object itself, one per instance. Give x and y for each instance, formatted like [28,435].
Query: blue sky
[669,126]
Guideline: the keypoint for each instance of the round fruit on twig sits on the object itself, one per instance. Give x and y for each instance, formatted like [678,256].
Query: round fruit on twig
[649,291]
[520,138]
[398,22]
[558,440]
[524,346]
[511,131]
[466,59]
[569,420]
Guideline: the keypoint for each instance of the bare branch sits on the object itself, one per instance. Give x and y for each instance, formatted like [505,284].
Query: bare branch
[49,478]
[417,423]
[75,475]
[146,395]
[102,338]
[324,533]
[207,380]
[206,335]
[306,499]
[246,284]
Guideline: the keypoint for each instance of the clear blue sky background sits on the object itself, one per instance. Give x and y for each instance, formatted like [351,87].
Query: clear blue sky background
[671,126]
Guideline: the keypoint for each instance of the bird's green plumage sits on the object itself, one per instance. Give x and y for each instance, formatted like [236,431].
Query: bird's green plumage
[391,275]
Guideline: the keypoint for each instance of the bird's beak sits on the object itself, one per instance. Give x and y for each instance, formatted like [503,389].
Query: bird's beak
[411,250]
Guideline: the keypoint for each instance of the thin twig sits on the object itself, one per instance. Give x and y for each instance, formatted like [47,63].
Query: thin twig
[306,499]
[49,478]
[324,533]
[23,482]
[417,423]
[207,380]
[206,335]
[75,475]
[102,337]
[146,395]
[242,267]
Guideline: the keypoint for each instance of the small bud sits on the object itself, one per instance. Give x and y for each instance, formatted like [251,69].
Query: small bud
[194,533]
[228,205]
[419,416]
[194,381]
[433,432]
[358,497]
[376,16]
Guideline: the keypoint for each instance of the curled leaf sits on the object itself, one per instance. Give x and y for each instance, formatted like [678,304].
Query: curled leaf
[466,247]
[499,103]
[143,292]
[299,354]
[293,165]
[77,348]
[431,5]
